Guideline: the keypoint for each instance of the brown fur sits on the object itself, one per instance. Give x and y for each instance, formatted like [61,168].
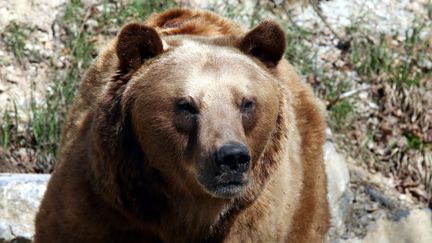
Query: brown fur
[127,166]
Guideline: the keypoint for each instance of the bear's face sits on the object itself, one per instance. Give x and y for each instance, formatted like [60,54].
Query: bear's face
[204,114]
[202,110]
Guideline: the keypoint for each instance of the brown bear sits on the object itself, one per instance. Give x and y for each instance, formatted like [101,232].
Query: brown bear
[189,128]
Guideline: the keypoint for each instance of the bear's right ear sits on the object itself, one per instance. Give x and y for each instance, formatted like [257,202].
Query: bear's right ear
[136,43]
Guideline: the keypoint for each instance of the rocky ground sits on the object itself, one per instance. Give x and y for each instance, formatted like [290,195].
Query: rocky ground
[382,127]
[30,52]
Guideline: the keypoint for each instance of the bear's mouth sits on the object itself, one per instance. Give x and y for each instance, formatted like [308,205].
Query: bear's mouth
[224,185]
[229,190]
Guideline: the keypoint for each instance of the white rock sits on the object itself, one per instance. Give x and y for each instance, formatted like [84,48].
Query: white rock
[383,16]
[20,196]
[416,227]
[337,185]
[39,13]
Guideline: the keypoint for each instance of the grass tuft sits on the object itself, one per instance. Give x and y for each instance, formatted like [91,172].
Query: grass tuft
[389,60]
[15,36]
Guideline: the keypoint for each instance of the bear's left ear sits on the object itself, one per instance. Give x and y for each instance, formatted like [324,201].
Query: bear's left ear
[265,42]
[136,43]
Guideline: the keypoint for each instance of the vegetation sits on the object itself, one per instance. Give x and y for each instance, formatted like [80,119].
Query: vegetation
[14,38]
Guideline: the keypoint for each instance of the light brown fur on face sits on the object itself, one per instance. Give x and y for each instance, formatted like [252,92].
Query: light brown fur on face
[140,153]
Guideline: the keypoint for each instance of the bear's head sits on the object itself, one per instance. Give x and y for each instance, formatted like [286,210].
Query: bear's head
[187,114]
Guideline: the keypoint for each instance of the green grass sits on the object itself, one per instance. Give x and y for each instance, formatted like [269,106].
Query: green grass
[414,142]
[339,114]
[47,118]
[9,127]
[383,60]
[376,60]
[15,36]
[327,85]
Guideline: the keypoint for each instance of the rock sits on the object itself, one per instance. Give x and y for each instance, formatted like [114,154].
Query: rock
[20,196]
[382,16]
[330,54]
[26,78]
[339,194]
[416,226]
[379,197]
[40,13]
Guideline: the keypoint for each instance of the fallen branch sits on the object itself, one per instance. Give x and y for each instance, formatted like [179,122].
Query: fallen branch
[347,94]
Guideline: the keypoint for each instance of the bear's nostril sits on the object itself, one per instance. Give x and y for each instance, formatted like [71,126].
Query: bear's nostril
[244,159]
[233,157]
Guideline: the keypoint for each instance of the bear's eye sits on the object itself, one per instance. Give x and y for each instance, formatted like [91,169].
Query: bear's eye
[186,107]
[247,105]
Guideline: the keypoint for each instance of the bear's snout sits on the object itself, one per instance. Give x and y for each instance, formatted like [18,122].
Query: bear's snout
[225,174]
[232,157]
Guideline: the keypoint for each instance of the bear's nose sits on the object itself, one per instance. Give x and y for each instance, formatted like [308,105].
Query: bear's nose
[233,157]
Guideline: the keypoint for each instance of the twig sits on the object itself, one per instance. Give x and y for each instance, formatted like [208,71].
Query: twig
[347,94]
